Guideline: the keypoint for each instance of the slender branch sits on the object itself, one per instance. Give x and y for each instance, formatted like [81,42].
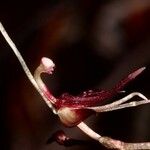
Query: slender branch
[120,145]
[23,64]
[112,143]
[87,130]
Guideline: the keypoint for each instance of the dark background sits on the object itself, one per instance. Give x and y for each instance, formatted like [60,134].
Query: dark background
[94,44]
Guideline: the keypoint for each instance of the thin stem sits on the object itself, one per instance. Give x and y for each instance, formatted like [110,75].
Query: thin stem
[112,143]
[120,145]
[23,64]
[87,130]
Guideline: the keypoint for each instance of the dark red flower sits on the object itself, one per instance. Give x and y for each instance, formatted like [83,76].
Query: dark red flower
[74,109]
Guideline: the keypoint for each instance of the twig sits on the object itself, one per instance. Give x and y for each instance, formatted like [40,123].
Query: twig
[112,143]
[87,130]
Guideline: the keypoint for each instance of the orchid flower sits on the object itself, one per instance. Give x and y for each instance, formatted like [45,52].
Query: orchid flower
[73,110]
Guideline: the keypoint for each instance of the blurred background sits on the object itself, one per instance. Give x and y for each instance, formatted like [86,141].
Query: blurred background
[94,44]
